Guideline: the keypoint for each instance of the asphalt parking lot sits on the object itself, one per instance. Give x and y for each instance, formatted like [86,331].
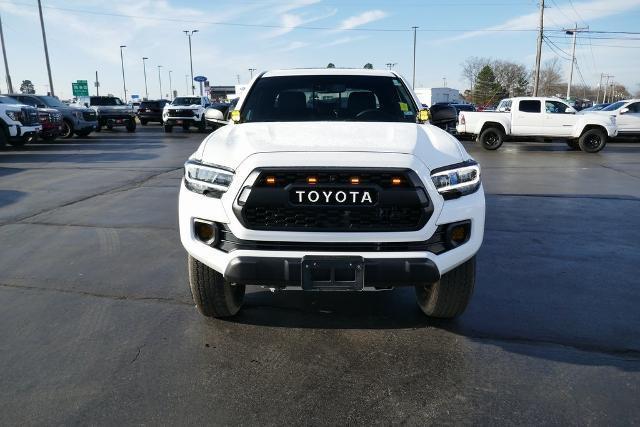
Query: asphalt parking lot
[98,326]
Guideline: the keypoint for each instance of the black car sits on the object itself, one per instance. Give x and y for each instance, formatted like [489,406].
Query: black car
[151,111]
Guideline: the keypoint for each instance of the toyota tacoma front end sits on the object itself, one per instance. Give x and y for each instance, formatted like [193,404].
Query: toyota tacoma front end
[331,180]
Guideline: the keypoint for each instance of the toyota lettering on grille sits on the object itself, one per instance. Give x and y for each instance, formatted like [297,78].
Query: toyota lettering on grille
[333,197]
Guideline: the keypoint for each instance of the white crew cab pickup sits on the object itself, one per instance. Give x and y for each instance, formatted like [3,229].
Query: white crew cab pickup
[185,111]
[331,179]
[538,117]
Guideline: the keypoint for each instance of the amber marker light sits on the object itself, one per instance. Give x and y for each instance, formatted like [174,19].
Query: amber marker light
[355,180]
[271,180]
[312,180]
[396,181]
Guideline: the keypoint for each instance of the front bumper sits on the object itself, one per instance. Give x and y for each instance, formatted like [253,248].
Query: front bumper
[19,132]
[115,120]
[467,208]
[180,120]
[288,272]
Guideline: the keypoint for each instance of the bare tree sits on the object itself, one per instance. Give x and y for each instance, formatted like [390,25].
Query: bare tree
[551,78]
[471,68]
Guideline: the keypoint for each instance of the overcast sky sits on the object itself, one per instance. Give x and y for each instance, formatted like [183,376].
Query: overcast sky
[85,35]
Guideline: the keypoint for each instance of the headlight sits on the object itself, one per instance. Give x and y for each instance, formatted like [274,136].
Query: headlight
[457,180]
[209,180]
[15,115]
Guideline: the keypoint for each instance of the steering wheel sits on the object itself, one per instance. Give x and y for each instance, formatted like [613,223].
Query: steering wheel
[372,114]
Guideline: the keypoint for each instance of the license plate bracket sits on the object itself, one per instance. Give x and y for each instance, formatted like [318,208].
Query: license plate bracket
[333,273]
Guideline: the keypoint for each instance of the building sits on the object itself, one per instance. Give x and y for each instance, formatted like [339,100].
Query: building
[433,95]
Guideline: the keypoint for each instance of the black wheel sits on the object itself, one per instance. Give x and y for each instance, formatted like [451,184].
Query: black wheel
[213,296]
[144,122]
[168,128]
[131,125]
[592,140]
[491,138]
[448,297]
[109,126]
[573,144]
[67,129]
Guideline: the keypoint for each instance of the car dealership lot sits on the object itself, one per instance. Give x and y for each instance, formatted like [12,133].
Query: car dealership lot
[98,324]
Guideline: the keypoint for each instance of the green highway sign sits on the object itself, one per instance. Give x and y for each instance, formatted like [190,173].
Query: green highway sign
[80,88]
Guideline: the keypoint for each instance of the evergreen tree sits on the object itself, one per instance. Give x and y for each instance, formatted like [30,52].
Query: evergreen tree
[487,90]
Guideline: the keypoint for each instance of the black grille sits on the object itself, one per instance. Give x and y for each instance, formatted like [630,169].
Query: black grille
[228,242]
[404,206]
[181,113]
[89,116]
[31,117]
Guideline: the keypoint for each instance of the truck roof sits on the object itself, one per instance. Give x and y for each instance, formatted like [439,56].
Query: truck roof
[329,72]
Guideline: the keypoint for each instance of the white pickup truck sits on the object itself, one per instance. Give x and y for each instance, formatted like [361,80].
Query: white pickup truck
[538,117]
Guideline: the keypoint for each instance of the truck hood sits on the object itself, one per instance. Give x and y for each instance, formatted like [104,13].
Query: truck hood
[231,144]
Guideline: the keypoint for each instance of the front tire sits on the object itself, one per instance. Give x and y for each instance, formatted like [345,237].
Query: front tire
[448,297]
[168,128]
[592,140]
[144,122]
[131,125]
[214,296]
[67,129]
[491,138]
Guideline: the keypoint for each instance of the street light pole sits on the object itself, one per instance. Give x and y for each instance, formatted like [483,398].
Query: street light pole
[144,68]
[6,64]
[251,70]
[415,29]
[160,80]
[189,33]
[46,50]
[124,83]
[170,88]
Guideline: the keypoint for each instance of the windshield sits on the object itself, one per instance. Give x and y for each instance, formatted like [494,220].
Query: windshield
[329,98]
[186,101]
[51,101]
[614,106]
[101,101]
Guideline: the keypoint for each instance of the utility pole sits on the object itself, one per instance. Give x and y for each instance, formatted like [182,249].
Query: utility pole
[124,83]
[573,31]
[186,83]
[189,33]
[160,80]
[97,84]
[536,81]
[599,87]
[606,86]
[251,70]
[170,87]
[415,31]
[444,82]
[46,50]
[6,64]
[144,68]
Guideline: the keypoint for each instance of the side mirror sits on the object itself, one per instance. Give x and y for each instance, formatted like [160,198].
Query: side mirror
[570,110]
[235,116]
[213,114]
[624,110]
[423,116]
